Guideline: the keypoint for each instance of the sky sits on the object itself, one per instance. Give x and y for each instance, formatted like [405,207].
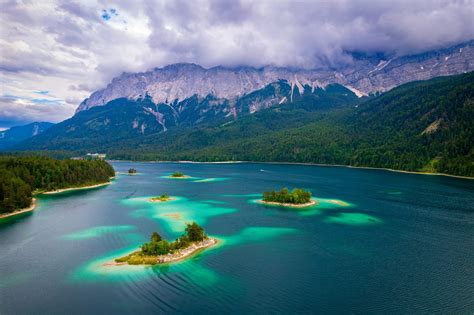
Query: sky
[53,54]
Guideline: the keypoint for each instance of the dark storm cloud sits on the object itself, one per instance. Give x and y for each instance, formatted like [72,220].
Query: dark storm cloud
[74,47]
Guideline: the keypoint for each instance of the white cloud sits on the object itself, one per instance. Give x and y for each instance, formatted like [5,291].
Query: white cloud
[70,49]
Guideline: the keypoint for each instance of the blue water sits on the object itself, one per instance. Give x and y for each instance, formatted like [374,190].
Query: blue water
[377,243]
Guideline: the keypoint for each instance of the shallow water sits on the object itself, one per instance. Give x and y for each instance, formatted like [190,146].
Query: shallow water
[377,242]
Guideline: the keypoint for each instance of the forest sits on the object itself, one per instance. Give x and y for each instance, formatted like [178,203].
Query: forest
[20,177]
[423,126]
[296,196]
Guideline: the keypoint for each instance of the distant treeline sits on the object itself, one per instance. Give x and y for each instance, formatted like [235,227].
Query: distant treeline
[21,176]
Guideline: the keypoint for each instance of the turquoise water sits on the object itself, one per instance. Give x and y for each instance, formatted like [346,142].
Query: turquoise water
[376,242]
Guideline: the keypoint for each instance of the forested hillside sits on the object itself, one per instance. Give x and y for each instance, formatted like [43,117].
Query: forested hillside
[123,122]
[421,126]
[21,176]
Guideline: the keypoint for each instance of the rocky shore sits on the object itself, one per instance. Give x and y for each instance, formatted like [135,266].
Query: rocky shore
[185,252]
[136,258]
[292,205]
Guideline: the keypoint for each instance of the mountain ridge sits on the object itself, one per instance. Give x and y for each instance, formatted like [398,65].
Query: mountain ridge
[177,82]
[16,134]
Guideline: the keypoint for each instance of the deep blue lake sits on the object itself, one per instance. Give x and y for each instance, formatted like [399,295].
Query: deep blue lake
[378,242]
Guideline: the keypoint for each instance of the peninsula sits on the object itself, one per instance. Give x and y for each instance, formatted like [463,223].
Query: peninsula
[297,198]
[160,251]
[25,176]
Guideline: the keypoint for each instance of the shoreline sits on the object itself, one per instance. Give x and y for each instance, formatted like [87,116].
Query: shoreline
[179,177]
[307,164]
[181,254]
[290,205]
[58,191]
[21,211]
[158,200]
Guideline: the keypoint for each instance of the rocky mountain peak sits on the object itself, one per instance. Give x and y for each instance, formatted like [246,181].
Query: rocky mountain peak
[367,74]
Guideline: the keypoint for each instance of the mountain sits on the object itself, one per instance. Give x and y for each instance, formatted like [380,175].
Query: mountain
[174,84]
[420,126]
[185,111]
[123,120]
[17,134]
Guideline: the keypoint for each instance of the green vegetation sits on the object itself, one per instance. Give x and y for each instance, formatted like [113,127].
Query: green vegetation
[177,174]
[159,246]
[21,176]
[132,171]
[419,126]
[162,198]
[296,196]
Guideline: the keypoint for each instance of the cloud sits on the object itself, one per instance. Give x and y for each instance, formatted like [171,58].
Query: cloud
[71,48]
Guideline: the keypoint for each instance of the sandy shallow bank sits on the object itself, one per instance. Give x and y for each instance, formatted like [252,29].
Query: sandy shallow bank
[153,199]
[179,177]
[178,255]
[292,205]
[24,210]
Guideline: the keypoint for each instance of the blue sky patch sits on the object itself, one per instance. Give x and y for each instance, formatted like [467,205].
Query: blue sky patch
[41,92]
[108,14]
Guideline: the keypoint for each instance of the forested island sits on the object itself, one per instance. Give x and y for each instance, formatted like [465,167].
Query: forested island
[132,171]
[179,175]
[21,177]
[159,250]
[296,198]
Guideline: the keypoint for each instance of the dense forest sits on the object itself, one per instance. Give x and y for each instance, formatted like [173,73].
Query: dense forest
[21,176]
[296,196]
[422,126]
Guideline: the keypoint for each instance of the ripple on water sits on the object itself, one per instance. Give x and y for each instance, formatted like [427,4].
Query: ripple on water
[14,278]
[100,270]
[97,231]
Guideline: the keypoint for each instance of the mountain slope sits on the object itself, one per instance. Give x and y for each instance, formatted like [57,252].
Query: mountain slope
[124,122]
[17,134]
[420,126]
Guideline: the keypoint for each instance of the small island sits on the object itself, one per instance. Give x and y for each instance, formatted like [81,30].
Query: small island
[298,198]
[132,171]
[162,198]
[179,175]
[160,251]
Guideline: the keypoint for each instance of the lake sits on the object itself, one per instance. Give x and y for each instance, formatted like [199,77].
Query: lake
[377,242]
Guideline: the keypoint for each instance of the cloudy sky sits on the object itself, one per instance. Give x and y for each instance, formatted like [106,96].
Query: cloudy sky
[53,54]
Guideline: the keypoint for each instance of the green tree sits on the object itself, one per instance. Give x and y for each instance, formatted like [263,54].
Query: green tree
[194,232]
